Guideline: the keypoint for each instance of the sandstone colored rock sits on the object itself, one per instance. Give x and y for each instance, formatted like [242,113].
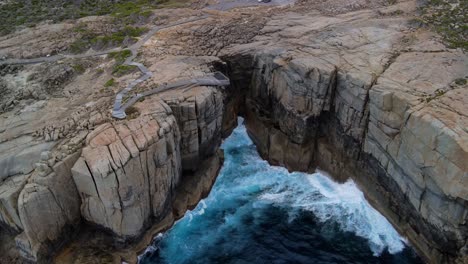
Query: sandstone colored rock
[349,98]
[22,160]
[361,94]
[47,206]
[9,192]
[120,191]
[199,113]
[128,170]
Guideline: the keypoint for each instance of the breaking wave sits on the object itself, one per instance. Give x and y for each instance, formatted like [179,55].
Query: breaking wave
[257,213]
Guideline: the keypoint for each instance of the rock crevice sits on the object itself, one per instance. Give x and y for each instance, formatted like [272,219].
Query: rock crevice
[367,126]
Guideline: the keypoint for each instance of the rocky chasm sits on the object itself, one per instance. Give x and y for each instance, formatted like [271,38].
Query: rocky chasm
[357,95]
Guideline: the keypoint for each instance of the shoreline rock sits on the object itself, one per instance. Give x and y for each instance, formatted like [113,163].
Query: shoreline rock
[389,127]
[362,94]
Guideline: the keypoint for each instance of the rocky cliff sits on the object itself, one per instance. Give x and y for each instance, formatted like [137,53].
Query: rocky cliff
[120,177]
[376,101]
[359,93]
[128,171]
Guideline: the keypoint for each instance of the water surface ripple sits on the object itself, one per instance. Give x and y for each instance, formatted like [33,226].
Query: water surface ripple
[257,213]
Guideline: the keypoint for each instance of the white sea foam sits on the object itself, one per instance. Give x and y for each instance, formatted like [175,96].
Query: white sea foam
[343,203]
[247,185]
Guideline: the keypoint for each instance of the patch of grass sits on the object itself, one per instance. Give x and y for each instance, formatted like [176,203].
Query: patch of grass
[120,70]
[127,33]
[460,81]
[110,82]
[30,12]
[120,56]
[450,19]
[101,42]
[78,46]
[132,112]
[437,93]
[132,31]
[99,71]
[172,4]
[89,39]
[78,68]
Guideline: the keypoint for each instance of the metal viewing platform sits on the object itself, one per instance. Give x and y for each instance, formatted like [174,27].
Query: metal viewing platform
[215,79]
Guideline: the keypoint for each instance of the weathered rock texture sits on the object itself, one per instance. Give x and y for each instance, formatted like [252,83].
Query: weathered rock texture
[41,206]
[359,100]
[360,94]
[128,171]
[65,164]
[48,208]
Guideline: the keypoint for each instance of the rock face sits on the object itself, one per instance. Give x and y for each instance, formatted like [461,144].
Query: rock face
[44,207]
[362,95]
[66,165]
[128,171]
[359,100]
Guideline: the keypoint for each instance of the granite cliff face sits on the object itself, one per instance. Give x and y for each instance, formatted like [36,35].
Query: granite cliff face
[128,171]
[120,177]
[360,100]
[363,94]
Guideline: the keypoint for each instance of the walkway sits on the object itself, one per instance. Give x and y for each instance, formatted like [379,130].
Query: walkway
[216,79]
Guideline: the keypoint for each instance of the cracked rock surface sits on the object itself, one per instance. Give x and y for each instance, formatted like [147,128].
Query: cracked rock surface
[372,91]
[351,87]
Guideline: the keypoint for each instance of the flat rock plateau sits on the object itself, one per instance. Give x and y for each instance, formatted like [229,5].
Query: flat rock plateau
[357,88]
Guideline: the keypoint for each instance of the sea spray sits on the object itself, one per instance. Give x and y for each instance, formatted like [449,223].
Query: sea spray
[257,213]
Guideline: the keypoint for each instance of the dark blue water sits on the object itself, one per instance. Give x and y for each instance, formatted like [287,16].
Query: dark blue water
[257,213]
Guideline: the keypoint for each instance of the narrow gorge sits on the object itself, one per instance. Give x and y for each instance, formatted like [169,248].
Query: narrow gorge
[365,96]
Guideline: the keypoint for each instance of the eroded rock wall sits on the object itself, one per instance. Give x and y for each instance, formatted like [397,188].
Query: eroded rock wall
[120,176]
[45,207]
[408,152]
[371,102]
[128,171]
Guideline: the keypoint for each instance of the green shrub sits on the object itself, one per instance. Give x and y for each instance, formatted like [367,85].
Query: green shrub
[99,71]
[132,112]
[450,19]
[110,83]
[173,4]
[90,39]
[78,68]
[460,81]
[28,13]
[120,56]
[120,70]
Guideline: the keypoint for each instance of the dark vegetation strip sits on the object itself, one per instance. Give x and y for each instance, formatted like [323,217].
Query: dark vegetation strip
[449,18]
[28,13]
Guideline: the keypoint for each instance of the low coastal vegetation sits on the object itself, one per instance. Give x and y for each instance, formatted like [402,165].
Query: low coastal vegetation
[110,82]
[120,56]
[28,13]
[119,69]
[450,19]
[123,36]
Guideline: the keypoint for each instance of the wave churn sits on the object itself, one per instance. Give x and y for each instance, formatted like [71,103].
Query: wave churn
[265,214]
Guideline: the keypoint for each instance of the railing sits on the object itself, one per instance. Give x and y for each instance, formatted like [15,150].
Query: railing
[215,79]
